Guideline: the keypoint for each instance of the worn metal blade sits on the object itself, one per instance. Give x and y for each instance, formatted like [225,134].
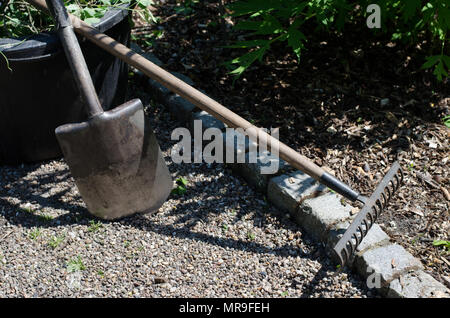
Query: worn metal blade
[116,162]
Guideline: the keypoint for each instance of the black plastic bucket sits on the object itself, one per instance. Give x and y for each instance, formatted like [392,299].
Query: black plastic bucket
[40,93]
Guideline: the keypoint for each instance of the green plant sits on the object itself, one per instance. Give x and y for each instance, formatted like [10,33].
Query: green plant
[27,209]
[75,265]
[94,226]
[186,7]
[55,241]
[35,234]
[181,186]
[147,39]
[271,21]
[18,18]
[446,121]
[224,227]
[445,244]
[251,236]
[45,217]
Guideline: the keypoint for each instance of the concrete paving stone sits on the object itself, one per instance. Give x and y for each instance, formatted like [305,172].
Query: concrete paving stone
[152,58]
[336,231]
[180,108]
[136,48]
[208,121]
[255,173]
[148,55]
[237,145]
[288,190]
[375,237]
[387,261]
[161,92]
[318,215]
[417,284]
[184,78]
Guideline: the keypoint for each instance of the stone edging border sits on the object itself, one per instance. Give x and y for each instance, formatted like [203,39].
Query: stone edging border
[386,266]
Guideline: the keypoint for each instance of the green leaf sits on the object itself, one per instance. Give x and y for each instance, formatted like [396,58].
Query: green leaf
[240,8]
[92,21]
[181,186]
[246,60]
[182,181]
[248,25]
[295,40]
[431,60]
[73,8]
[248,44]
[270,25]
[75,265]
[446,60]
[180,190]
[440,71]
[144,3]
[411,7]
[442,243]
[446,121]
[89,12]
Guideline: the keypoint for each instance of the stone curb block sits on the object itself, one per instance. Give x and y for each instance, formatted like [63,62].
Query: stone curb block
[252,172]
[415,285]
[148,55]
[208,121]
[388,261]
[400,273]
[159,91]
[162,93]
[288,190]
[179,107]
[322,214]
[239,145]
[375,238]
[319,214]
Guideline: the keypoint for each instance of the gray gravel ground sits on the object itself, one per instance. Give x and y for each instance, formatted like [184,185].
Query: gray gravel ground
[219,239]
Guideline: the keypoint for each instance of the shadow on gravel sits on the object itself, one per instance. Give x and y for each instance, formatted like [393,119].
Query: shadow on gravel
[14,187]
[189,213]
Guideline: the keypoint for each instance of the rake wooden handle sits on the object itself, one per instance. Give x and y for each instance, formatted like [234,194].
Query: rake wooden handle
[202,101]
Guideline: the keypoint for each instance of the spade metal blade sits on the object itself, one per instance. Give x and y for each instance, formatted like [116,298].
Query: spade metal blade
[116,162]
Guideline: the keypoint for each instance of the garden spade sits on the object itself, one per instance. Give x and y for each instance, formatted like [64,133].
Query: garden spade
[114,156]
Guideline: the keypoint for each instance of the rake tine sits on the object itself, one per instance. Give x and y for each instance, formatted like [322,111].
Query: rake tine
[368,215]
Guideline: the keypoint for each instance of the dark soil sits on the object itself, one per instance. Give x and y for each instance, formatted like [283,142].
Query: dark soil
[355,103]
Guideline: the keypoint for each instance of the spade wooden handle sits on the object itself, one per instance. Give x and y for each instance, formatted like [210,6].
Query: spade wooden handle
[75,58]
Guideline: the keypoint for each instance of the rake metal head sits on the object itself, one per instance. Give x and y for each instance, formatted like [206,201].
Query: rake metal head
[373,206]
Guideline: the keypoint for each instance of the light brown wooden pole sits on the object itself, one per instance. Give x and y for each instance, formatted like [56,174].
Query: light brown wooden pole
[188,92]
